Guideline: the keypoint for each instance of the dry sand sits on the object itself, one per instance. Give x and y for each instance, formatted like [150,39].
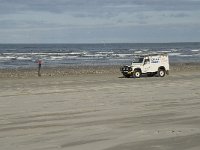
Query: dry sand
[101,111]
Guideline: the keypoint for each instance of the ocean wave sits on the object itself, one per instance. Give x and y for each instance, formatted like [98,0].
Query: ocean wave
[7,57]
[89,55]
[174,54]
[195,50]
[57,57]
[186,55]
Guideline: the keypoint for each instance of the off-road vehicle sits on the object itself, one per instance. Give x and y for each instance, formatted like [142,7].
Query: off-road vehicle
[150,64]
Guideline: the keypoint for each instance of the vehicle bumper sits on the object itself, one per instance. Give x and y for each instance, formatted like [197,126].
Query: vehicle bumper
[126,72]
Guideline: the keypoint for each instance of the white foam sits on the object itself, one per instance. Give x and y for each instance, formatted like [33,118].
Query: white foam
[138,52]
[105,52]
[57,57]
[100,55]
[75,53]
[164,51]
[174,54]
[23,58]
[71,57]
[195,50]
[3,58]
[88,55]
[186,55]
[174,50]
[7,57]
[124,55]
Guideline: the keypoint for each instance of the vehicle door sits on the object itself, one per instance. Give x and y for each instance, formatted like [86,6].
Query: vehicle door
[146,65]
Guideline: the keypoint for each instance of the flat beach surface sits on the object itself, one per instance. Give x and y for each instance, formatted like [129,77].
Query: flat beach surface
[99,110]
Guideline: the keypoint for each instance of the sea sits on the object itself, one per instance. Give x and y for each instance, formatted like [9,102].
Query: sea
[59,55]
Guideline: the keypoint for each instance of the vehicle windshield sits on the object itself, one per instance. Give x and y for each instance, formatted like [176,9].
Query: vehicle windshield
[138,59]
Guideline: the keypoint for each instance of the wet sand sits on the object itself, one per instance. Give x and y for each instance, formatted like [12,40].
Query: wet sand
[101,111]
[82,70]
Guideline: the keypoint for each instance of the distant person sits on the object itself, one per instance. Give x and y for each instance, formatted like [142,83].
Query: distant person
[39,67]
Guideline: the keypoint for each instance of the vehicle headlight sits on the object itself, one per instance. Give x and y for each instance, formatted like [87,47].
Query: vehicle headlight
[129,69]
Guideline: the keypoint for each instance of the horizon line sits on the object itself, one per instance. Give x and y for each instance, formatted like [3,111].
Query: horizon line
[109,43]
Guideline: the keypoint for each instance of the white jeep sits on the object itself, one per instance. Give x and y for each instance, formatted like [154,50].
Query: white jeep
[150,64]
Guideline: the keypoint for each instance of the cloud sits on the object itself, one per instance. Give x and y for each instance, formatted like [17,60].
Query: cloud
[50,16]
[99,10]
[59,6]
[179,15]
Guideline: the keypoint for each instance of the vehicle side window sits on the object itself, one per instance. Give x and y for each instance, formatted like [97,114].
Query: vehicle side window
[146,61]
[138,60]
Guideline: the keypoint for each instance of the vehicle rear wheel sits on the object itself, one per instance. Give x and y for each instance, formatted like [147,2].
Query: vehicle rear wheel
[161,72]
[137,74]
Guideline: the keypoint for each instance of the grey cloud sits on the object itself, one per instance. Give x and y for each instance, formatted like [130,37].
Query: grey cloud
[26,24]
[179,15]
[98,13]
[6,24]
[176,15]
[59,6]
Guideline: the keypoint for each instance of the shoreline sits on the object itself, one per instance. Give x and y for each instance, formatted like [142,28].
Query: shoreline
[61,71]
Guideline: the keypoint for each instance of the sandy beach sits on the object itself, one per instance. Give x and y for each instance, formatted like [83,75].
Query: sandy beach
[97,109]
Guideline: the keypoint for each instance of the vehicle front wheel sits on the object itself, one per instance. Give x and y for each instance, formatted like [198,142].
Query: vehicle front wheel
[137,74]
[161,72]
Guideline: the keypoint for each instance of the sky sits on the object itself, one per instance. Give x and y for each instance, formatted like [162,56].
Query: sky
[99,21]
